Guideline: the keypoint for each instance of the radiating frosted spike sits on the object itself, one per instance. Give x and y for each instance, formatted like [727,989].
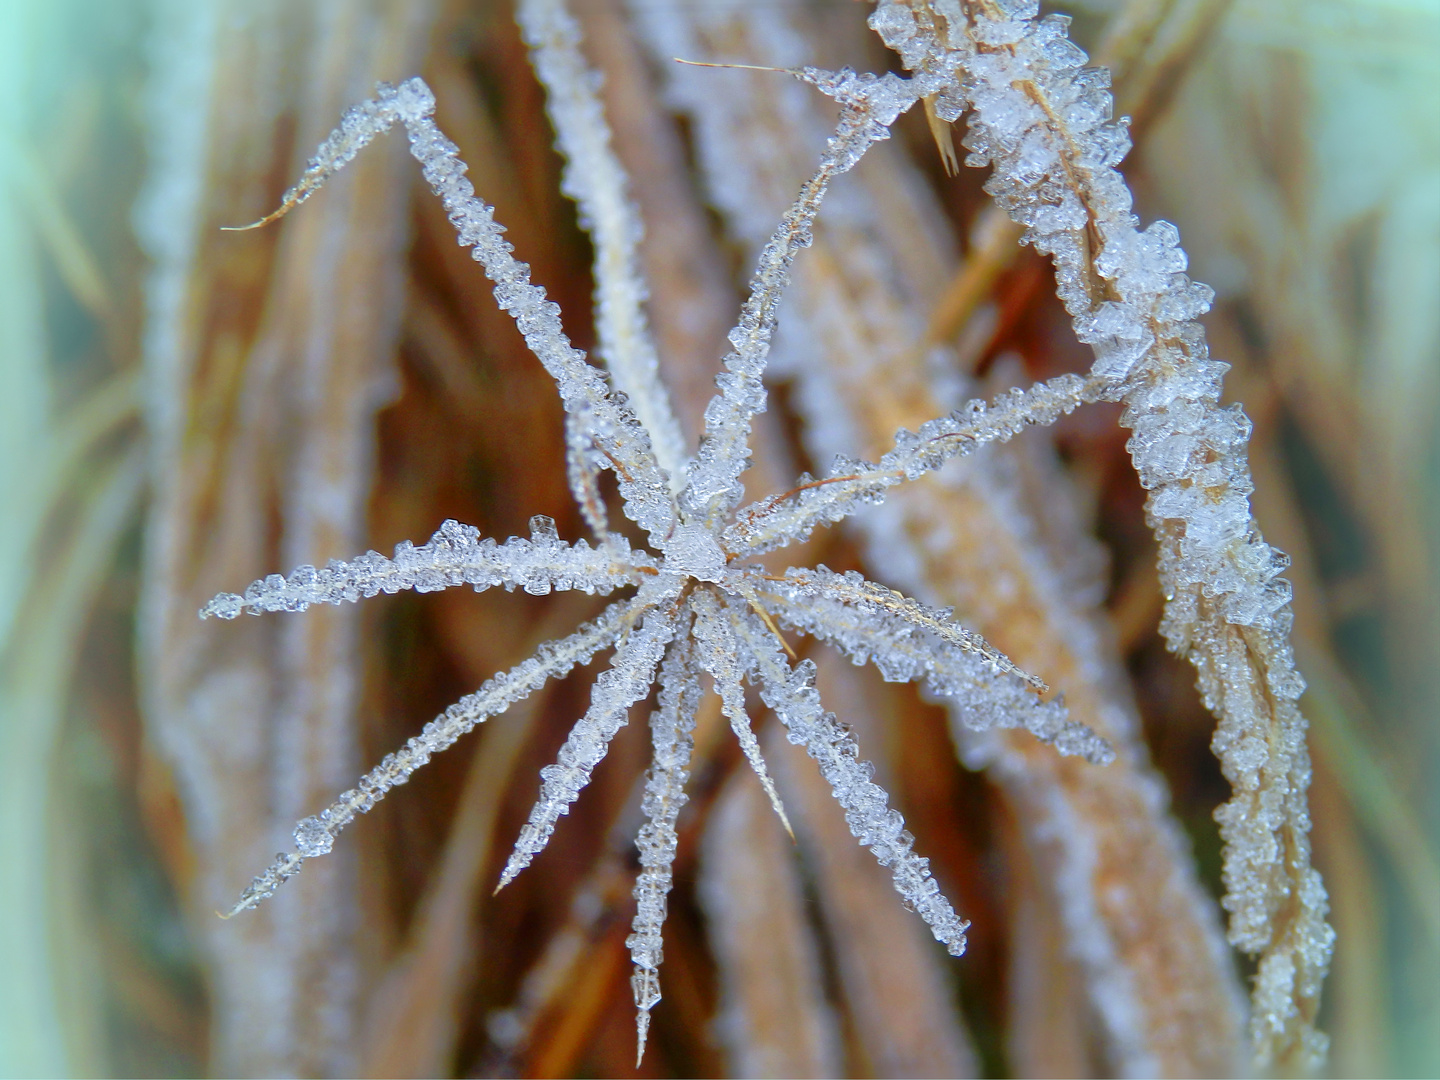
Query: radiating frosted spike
[869,104]
[791,693]
[316,835]
[359,124]
[644,484]
[868,598]
[627,681]
[455,555]
[672,737]
[789,518]
[718,655]
[906,651]
[594,178]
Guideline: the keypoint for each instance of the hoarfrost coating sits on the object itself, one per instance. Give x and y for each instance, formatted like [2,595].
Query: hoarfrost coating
[698,606]
[1044,122]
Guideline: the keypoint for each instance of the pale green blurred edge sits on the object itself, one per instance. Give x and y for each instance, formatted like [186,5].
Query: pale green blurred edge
[31,1041]
[51,1009]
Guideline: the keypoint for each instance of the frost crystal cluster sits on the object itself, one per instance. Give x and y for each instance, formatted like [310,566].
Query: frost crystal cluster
[701,602]
[700,605]
[1044,122]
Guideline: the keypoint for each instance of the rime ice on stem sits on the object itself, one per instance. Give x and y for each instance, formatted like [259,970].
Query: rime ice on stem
[719,651]
[595,180]
[1044,122]
[791,693]
[869,106]
[698,606]
[871,624]
[792,516]
[455,555]
[672,732]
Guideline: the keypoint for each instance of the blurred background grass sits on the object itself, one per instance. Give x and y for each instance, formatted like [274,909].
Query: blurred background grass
[1297,145]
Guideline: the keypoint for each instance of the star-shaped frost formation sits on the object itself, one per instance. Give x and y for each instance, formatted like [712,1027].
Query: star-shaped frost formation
[700,605]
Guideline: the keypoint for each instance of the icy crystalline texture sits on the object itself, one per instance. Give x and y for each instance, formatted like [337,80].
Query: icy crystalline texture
[876,602]
[998,534]
[724,623]
[694,551]
[719,655]
[672,737]
[607,422]
[869,623]
[455,555]
[868,106]
[791,517]
[631,673]
[316,835]
[791,693]
[1044,122]
[594,179]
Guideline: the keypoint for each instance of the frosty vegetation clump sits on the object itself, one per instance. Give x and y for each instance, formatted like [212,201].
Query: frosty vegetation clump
[1044,122]
[702,605]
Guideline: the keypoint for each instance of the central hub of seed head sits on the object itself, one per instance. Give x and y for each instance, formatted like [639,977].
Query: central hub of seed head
[692,550]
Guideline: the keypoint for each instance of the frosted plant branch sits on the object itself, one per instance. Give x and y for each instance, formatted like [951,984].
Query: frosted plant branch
[672,730]
[316,835]
[1044,122]
[720,658]
[455,555]
[869,105]
[987,694]
[791,693]
[699,606]
[594,179]
[870,599]
[793,515]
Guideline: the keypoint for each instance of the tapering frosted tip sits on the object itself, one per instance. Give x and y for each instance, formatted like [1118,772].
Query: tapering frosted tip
[225,606]
[642,1029]
[512,871]
[758,764]
[285,866]
[250,898]
[785,821]
[242,905]
[293,198]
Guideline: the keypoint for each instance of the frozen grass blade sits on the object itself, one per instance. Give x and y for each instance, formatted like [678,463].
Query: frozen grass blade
[595,180]
[673,737]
